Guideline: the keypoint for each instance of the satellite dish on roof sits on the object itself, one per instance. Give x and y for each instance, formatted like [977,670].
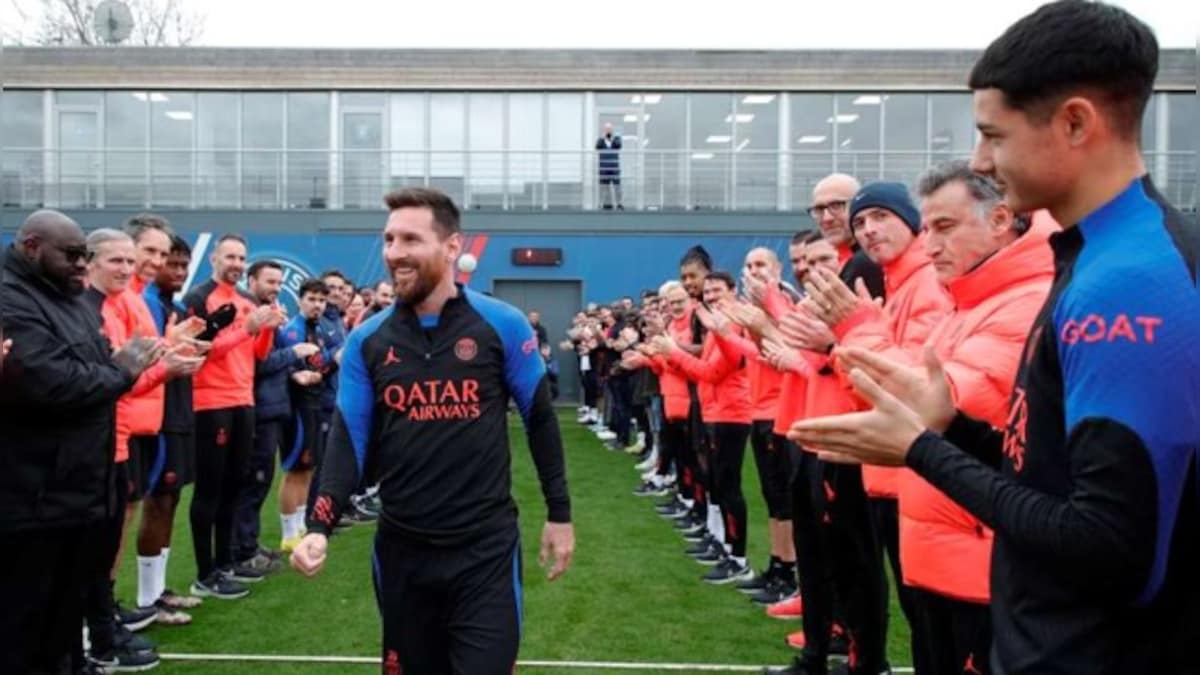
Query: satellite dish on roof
[112,21]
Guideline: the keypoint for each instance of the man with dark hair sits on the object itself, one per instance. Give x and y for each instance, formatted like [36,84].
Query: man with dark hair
[223,395]
[535,320]
[1094,505]
[272,416]
[423,407]
[312,402]
[58,390]
[174,465]
[382,297]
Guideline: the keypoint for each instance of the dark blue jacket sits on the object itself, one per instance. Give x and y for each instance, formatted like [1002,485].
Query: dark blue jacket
[271,398]
[330,335]
[609,157]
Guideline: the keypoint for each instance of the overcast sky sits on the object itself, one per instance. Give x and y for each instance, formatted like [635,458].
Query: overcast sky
[707,24]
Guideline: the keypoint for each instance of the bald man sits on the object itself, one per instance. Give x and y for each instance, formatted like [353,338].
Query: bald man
[57,410]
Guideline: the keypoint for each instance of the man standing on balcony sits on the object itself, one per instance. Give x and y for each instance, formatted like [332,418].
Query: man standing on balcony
[608,154]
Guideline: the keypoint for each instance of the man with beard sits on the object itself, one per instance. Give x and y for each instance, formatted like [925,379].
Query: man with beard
[58,399]
[381,298]
[224,401]
[423,407]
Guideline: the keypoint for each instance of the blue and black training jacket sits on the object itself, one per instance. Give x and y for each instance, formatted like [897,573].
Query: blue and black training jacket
[1094,568]
[422,407]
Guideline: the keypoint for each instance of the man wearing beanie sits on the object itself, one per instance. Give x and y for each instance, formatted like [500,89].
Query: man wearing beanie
[886,223]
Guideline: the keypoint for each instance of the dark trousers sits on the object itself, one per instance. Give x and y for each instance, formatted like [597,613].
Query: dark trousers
[224,440]
[698,453]
[774,465]
[449,609]
[813,567]
[729,451]
[591,387]
[44,576]
[949,637]
[621,407]
[673,449]
[101,605]
[885,520]
[260,473]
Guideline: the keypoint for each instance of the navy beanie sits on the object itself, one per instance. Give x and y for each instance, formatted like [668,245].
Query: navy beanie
[891,196]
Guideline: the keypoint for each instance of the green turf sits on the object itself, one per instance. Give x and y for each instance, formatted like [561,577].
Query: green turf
[631,595]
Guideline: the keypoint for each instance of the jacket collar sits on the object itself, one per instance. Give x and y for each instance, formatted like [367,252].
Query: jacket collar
[1026,259]
[16,265]
[898,271]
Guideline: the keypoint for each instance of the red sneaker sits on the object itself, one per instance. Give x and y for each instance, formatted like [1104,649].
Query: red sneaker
[788,610]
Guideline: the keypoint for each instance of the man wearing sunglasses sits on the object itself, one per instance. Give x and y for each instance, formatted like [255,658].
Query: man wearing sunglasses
[58,396]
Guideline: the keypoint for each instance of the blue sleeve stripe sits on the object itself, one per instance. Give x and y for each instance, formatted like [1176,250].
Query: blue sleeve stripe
[523,365]
[356,389]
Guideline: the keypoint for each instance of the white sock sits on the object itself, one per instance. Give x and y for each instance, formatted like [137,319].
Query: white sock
[689,503]
[301,514]
[715,525]
[147,579]
[289,525]
[162,570]
[741,562]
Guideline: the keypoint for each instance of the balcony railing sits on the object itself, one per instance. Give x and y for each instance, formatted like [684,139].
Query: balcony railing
[513,180]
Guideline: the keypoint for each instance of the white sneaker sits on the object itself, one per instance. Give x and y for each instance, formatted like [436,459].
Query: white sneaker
[650,474]
[606,435]
[582,410]
[648,463]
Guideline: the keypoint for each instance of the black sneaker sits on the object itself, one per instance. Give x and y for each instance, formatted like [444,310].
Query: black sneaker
[699,548]
[712,557]
[648,489]
[135,619]
[124,639]
[262,562]
[799,666]
[699,535]
[217,586]
[728,571]
[356,516]
[243,574]
[776,590]
[119,660]
[756,583]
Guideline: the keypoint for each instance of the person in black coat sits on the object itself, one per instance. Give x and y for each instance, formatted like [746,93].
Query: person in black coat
[58,395]
[608,155]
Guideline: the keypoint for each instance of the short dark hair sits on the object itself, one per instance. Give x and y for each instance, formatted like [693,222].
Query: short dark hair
[312,285]
[335,273]
[1069,45]
[380,283]
[138,225]
[446,217]
[179,246]
[260,265]
[233,236]
[697,254]
[722,276]
[813,237]
[802,236]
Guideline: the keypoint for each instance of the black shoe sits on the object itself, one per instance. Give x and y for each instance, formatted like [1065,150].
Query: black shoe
[699,548]
[648,489]
[776,590]
[123,638]
[244,574]
[136,619]
[217,586]
[756,583]
[356,516]
[728,571]
[697,536]
[799,666]
[119,660]
[710,558]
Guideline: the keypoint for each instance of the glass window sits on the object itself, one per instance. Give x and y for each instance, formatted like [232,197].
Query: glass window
[447,140]
[486,138]
[711,150]
[526,136]
[857,133]
[408,139]
[811,143]
[262,158]
[21,132]
[566,150]
[664,149]
[172,117]
[217,136]
[951,126]
[1183,119]
[1149,122]
[125,140]
[92,98]
[308,150]
[755,123]
[905,136]
[363,100]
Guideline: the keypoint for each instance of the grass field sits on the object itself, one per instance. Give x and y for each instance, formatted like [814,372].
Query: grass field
[630,596]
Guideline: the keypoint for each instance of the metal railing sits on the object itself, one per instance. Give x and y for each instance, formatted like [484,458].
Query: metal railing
[513,180]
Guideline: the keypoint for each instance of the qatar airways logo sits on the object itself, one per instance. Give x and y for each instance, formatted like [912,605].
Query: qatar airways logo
[430,400]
